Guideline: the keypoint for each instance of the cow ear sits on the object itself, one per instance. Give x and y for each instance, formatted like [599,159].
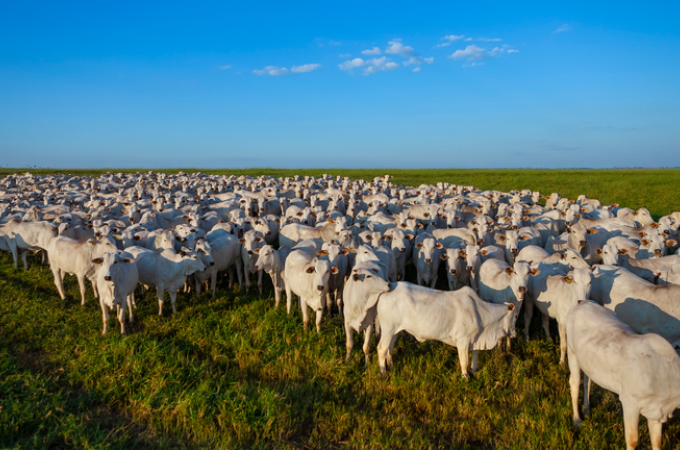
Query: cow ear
[443,256]
[259,239]
[409,236]
[183,253]
[592,231]
[484,252]
[568,279]
[501,237]
[98,260]
[128,260]
[351,250]
[344,251]
[387,238]
[334,270]
[419,245]
[439,245]
[623,251]
[457,217]
[321,253]
[137,238]
[242,241]
[509,271]
[310,269]
[91,242]
[331,221]
[355,277]
[645,242]
[599,251]
[511,307]
[535,272]
[671,242]
[642,234]
[257,250]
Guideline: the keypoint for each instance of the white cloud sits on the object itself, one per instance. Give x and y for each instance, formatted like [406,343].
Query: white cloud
[450,38]
[353,64]
[562,28]
[397,48]
[474,53]
[468,39]
[225,67]
[373,51]
[470,53]
[345,55]
[371,66]
[490,40]
[334,42]
[279,71]
[305,68]
[417,69]
[429,60]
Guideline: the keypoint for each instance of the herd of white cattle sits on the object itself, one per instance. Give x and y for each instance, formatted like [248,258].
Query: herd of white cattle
[607,274]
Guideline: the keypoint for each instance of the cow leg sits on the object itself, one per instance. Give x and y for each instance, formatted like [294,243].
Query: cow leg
[349,333]
[390,363]
[367,344]
[159,291]
[463,357]
[213,282]
[59,282]
[259,280]
[246,274]
[528,314]
[197,285]
[81,285]
[173,299]
[24,254]
[433,282]
[15,253]
[231,277]
[319,316]
[475,353]
[631,417]
[575,385]
[338,300]
[240,274]
[130,303]
[383,348]
[546,325]
[277,296]
[121,318]
[507,340]
[132,297]
[94,288]
[305,312]
[44,256]
[105,318]
[289,299]
[563,342]
[655,433]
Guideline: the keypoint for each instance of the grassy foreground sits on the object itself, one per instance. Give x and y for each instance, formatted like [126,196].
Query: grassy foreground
[236,373]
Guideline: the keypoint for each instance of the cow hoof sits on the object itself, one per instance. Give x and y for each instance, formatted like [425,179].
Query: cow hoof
[576,424]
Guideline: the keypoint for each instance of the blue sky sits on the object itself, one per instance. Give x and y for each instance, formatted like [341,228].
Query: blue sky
[348,84]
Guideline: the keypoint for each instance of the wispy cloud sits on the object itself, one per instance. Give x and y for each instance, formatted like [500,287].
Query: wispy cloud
[417,69]
[489,39]
[405,51]
[562,28]
[468,39]
[345,55]
[279,71]
[370,66]
[225,67]
[450,38]
[474,53]
[372,51]
[334,42]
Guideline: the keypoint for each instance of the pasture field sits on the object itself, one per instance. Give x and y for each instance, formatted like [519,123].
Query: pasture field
[236,373]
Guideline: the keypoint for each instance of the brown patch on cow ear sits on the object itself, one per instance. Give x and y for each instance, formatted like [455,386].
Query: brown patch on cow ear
[344,251]
[501,237]
[509,271]
[419,245]
[91,242]
[599,251]
[128,260]
[259,239]
[321,253]
[535,272]
[484,252]
[645,242]
[242,241]
[439,245]
[642,234]
[563,214]
[511,307]
[654,225]
[443,256]
[310,270]
[409,236]
[671,242]
[592,231]
[257,250]
[568,279]
[525,218]
[623,251]
[98,260]
[334,270]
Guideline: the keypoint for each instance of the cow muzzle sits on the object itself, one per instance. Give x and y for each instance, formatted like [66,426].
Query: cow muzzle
[453,271]
[522,289]
[657,253]
[582,243]
[212,263]
[428,261]
[514,251]
[320,287]
[469,268]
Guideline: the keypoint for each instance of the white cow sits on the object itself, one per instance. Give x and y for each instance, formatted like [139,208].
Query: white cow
[167,270]
[554,293]
[251,241]
[306,275]
[643,306]
[75,258]
[458,318]
[273,262]
[426,256]
[367,281]
[116,280]
[643,370]
[294,233]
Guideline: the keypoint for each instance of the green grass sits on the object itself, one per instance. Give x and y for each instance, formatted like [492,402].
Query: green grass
[236,373]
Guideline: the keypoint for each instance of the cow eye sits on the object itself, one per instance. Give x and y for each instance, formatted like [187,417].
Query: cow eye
[368,276]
